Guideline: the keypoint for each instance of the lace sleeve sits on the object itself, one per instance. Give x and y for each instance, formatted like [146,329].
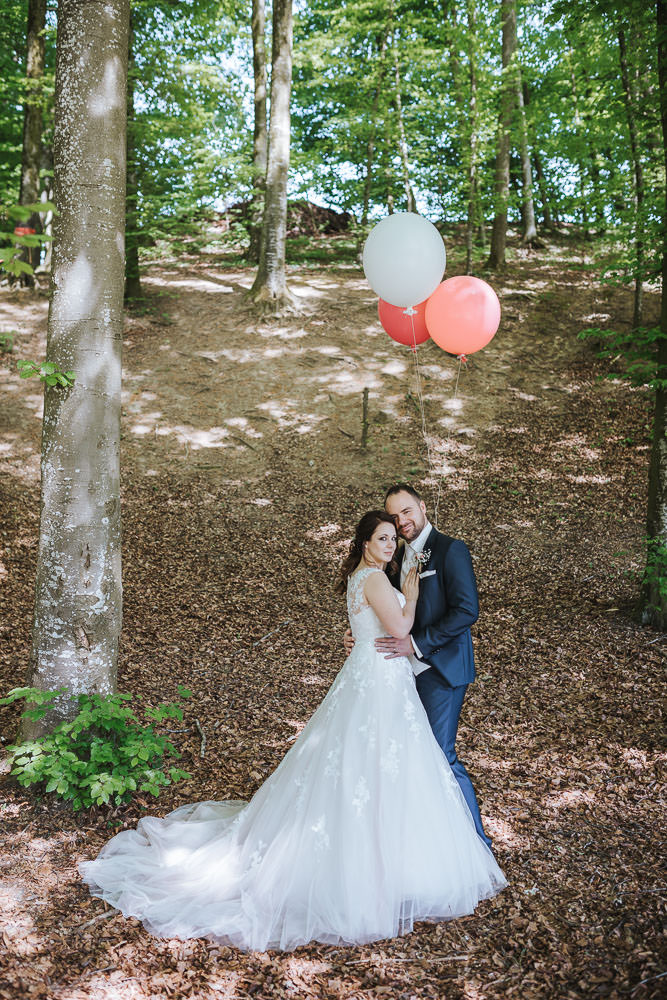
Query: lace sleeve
[356,602]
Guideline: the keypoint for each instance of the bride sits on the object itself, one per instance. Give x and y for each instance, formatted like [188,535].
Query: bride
[360,831]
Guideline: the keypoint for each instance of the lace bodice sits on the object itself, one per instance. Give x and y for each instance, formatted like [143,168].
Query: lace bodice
[364,623]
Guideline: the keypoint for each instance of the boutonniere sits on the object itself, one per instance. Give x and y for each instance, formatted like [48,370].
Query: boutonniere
[423,558]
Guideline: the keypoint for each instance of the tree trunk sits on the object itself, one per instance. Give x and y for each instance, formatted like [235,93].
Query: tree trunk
[46,194]
[78,599]
[473,200]
[270,287]
[655,585]
[578,130]
[259,148]
[132,276]
[388,172]
[32,125]
[502,182]
[370,149]
[411,203]
[630,110]
[544,194]
[529,227]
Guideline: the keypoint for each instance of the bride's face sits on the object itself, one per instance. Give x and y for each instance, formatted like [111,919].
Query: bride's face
[381,545]
[409,514]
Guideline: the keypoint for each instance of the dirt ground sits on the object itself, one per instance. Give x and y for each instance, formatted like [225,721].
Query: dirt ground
[243,475]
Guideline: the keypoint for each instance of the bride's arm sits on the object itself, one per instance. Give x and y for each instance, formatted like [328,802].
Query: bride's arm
[382,598]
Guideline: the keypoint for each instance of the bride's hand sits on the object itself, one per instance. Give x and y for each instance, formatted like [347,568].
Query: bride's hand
[410,586]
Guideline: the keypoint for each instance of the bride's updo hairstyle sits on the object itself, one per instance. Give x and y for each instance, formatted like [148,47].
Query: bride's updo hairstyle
[363,534]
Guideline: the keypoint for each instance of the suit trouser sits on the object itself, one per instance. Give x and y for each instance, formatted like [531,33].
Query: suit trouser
[443,705]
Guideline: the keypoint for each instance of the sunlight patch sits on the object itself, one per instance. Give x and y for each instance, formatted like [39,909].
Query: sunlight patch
[570,797]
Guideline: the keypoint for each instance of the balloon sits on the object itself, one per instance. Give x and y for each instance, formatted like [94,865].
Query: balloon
[404,259]
[398,324]
[463,314]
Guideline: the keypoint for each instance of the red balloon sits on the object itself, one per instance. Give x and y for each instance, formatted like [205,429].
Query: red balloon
[463,314]
[399,324]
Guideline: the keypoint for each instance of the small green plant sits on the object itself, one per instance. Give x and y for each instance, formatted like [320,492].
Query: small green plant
[637,350]
[102,755]
[47,372]
[7,342]
[655,573]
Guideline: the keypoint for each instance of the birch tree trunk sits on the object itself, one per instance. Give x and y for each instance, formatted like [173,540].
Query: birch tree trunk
[655,585]
[638,170]
[270,290]
[502,181]
[32,125]
[259,148]
[78,599]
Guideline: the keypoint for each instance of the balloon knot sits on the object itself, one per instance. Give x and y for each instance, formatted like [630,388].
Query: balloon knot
[410,311]
[462,358]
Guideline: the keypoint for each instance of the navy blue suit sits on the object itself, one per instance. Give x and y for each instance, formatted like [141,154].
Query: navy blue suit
[447,606]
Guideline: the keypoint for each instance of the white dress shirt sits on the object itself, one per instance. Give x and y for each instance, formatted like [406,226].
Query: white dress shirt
[410,560]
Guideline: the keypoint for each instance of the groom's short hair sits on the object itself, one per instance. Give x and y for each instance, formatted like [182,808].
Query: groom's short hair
[402,488]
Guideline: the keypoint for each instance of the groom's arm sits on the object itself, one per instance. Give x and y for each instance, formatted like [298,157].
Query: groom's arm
[462,602]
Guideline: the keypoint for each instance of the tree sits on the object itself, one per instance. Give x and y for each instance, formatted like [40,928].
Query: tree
[270,286]
[132,275]
[78,599]
[631,102]
[655,585]
[502,179]
[188,146]
[32,121]
[529,227]
[259,148]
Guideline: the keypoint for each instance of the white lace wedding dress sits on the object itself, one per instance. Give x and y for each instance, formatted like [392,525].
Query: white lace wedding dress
[360,831]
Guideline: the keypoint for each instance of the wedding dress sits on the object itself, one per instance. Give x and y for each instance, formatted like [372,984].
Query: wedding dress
[360,831]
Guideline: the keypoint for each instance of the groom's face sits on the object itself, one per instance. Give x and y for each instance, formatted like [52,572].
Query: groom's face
[408,513]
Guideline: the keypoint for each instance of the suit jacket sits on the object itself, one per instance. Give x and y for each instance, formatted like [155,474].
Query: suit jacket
[446,608]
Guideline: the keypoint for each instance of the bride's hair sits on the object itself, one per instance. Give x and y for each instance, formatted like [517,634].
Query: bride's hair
[362,534]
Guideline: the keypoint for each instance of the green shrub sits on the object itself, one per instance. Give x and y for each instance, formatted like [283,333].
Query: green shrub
[635,350]
[102,755]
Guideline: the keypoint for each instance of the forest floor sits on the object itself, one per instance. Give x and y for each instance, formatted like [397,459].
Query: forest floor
[242,477]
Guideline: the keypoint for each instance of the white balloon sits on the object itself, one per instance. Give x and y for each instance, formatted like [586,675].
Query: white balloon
[404,259]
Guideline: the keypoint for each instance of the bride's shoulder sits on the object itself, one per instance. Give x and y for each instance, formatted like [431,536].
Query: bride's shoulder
[361,573]
[376,580]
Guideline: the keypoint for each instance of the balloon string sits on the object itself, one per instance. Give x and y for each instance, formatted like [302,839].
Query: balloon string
[462,360]
[420,397]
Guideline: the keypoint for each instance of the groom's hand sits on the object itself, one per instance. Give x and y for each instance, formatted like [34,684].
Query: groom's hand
[348,642]
[394,647]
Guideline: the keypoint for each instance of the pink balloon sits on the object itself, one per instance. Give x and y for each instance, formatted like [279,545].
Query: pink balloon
[463,314]
[399,325]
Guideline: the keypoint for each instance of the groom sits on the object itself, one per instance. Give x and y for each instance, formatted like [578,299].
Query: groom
[440,645]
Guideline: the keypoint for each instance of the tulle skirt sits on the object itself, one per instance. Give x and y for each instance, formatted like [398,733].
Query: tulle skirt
[360,831]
